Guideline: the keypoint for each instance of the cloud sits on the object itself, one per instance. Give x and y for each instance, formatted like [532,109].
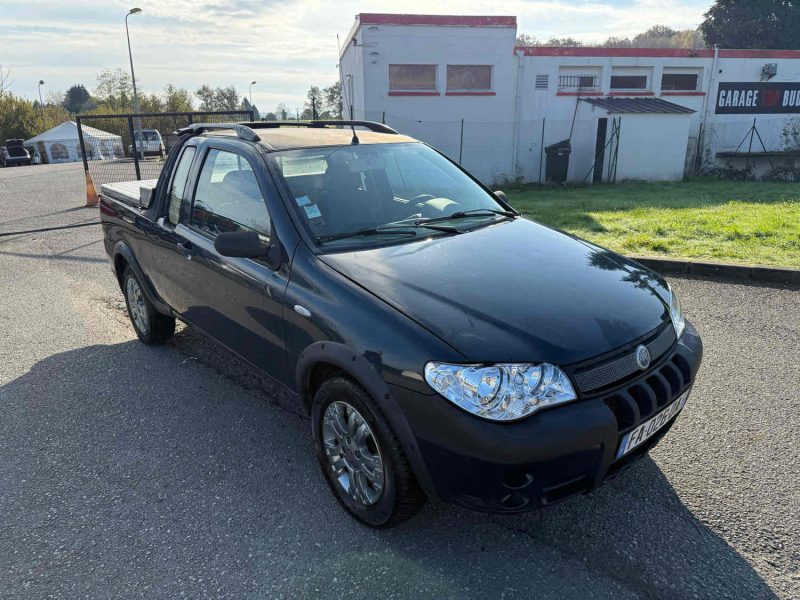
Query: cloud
[285,46]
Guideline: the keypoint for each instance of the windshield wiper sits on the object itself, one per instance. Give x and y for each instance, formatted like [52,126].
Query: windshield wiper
[385,229]
[468,213]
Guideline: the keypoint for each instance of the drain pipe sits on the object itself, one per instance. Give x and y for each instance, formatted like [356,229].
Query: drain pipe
[706,99]
[515,136]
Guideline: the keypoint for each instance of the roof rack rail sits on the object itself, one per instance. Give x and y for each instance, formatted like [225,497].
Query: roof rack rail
[371,125]
[243,131]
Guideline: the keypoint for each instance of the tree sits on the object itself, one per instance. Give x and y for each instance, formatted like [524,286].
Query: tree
[226,98]
[333,103]
[768,24]
[77,99]
[270,116]
[252,108]
[525,40]
[314,103]
[21,118]
[114,89]
[282,111]
[220,98]
[563,41]
[177,99]
[617,42]
[5,80]
[659,36]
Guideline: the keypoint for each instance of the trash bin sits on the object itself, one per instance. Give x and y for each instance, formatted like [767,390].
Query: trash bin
[557,161]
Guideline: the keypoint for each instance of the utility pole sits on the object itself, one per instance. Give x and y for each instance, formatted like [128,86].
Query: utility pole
[133,11]
[41,104]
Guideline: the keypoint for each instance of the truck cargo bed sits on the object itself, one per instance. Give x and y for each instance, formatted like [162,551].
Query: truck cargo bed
[128,192]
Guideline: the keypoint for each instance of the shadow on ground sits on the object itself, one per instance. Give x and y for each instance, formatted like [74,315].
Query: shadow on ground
[127,470]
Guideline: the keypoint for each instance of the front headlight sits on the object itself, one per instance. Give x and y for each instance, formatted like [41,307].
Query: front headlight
[503,392]
[676,313]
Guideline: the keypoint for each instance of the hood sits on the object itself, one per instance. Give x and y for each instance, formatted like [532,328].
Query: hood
[515,291]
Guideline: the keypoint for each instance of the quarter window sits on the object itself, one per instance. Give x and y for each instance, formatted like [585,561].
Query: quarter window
[412,78]
[179,184]
[228,197]
[469,78]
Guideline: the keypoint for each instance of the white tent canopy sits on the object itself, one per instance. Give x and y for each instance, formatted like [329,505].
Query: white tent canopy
[61,143]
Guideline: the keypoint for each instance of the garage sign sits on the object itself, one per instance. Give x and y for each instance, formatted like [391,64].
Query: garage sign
[758,98]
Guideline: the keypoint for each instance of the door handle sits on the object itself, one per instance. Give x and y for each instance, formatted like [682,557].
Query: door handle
[186,248]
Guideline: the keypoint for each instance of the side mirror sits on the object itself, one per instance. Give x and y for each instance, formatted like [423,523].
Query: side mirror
[244,244]
[502,196]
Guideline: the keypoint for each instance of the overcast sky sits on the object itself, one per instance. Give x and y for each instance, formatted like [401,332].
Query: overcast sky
[285,45]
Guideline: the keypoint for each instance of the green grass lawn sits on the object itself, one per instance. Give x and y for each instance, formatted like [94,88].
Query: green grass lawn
[726,221]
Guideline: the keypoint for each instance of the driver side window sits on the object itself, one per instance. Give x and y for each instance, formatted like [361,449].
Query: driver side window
[227,197]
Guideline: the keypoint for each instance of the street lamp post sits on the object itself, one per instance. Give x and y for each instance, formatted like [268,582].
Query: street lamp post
[133,11]
[41,104]
[252,83]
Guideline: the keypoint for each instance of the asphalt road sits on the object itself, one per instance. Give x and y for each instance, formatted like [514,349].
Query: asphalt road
[135,472]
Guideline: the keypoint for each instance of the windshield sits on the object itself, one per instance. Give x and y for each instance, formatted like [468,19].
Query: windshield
[356,188]
[148,135]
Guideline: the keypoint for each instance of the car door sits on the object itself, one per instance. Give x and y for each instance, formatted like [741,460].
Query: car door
[238,301]
[163,252]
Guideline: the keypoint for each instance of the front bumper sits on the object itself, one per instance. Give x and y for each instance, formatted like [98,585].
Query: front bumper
[555,454]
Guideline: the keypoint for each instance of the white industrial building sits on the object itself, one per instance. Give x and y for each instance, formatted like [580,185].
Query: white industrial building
[459,83]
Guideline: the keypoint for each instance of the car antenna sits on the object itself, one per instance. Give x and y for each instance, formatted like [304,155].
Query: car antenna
[354,141]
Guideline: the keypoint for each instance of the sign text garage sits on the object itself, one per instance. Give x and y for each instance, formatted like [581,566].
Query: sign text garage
[758,98]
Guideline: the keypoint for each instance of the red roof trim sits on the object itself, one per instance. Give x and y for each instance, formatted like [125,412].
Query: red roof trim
[470,93]
[683,93]
[614,52]
[414,94]
[588,51]
[618,93]
[440,20]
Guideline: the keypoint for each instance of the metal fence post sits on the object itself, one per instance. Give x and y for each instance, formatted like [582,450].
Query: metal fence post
[461,143]
[541,152]
[135,150]
[83,144]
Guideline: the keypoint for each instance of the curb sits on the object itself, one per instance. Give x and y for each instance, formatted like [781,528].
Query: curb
[722,270]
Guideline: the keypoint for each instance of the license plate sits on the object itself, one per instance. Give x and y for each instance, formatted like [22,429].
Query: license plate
[647,429]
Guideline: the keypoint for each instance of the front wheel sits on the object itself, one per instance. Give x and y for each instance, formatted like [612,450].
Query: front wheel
[361,458]
[151,326]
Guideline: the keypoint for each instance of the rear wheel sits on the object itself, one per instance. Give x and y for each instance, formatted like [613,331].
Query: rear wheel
[151,326]
[361,458]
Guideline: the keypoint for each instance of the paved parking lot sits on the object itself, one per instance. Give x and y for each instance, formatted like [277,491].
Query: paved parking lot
[135,472]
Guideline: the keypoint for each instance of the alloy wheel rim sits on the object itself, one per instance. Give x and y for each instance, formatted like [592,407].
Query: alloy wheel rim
[137,305]
[352,453]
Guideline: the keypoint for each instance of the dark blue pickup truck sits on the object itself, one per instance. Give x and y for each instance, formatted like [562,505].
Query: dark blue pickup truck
[443,345]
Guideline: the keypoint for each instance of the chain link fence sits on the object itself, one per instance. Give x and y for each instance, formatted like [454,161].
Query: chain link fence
[125,147]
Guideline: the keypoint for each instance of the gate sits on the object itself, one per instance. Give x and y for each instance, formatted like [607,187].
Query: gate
[124,147]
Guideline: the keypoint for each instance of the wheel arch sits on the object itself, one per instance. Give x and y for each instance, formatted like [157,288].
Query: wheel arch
[123,257]
[325,359]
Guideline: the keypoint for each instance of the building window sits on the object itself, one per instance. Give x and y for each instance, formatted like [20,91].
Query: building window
[412,78]
[542,82]
[469,78]
[58,151]
[679,82]
[573,82]
[629,82]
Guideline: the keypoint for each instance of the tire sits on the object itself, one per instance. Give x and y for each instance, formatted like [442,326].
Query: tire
[150,325]
[399,497]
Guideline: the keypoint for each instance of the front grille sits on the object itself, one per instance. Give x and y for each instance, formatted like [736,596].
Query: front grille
[618,368]
[646,396]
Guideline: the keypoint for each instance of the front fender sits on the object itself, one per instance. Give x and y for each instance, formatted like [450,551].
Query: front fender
[358,368]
